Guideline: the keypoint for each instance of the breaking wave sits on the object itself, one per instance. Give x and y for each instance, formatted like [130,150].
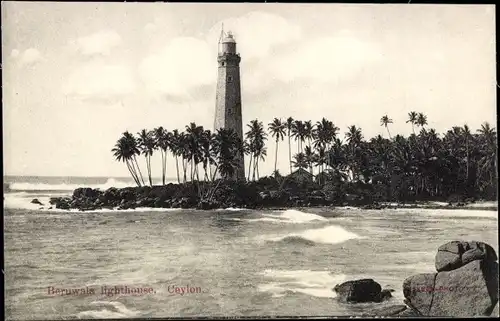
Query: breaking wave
[109,310]
[25,186]
[313,283]
[289,216]
[332,234]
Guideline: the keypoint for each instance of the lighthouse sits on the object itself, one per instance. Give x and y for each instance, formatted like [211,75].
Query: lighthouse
[228,94]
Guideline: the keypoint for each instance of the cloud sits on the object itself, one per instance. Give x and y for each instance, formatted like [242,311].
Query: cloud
[327,59]
[99,43]
[28,57]
[96,80]
[187,63]
[184,63]
[14,53]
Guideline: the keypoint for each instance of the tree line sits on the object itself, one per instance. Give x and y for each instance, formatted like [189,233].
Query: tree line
[422,165]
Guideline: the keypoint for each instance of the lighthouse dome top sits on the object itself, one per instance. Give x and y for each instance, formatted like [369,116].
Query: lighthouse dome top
[229,38]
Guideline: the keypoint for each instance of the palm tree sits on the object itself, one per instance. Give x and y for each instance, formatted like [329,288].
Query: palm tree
[255,143]
[226,148]
[163,142]
[300,161]
[308,131]
[194,136]
[207,153]
[289,126]
[277,129]
[354,138]
[412,118]
[175,147]
[385,121]
[125,149]
[310,158]
[299,133]
[488,162]
[147,145]
[421,120]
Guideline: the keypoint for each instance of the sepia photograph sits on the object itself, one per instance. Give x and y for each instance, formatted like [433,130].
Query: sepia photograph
[249,160]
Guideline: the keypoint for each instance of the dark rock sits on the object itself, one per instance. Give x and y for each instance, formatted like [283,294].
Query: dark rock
[455,254]
[36,201]
[384,295]
[364,290]
[471,290]
[86,192]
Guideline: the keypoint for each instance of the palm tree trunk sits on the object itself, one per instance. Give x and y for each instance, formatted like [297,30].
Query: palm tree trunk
[184,168]
[132,173]
[148,160]
[388,132]
[255,161]
[289,152]
[276,157]
[137,164]
[162,167]
[177,168]
[249,167]
[258,176]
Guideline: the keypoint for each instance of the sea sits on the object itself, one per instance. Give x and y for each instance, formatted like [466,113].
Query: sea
[228,262]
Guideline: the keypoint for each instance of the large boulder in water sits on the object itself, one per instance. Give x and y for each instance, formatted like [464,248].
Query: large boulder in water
[471,290]
[452,255]
[364,290]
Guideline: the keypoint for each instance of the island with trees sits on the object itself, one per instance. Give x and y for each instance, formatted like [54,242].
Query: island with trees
[457,167]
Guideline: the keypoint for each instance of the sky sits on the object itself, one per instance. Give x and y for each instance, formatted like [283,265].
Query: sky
[77,75]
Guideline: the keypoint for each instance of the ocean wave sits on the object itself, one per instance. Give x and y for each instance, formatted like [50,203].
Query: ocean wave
[313,283]
[111,309]
[331,234]
[25,186]
[23,200]
[453,213]
[288,216]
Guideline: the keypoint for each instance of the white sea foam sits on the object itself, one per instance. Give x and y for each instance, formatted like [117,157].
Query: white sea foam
[331,234]
[111,309]
[313,283]
[25,186]
[23,201]
[231,209]
[453,213]
[290,216]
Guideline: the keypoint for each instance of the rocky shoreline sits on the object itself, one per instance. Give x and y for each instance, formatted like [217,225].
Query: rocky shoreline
[251,195]
[465,284]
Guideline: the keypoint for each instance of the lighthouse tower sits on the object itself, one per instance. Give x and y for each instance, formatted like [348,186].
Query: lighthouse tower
[228,94]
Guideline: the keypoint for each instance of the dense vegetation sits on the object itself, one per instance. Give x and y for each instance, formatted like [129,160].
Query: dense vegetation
[422,166]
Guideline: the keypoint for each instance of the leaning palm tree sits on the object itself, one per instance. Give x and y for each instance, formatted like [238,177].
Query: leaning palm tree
[385,121]
[147,146]
[277,129]
[125,149]
[412,118]
[421,120]
[132,140]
